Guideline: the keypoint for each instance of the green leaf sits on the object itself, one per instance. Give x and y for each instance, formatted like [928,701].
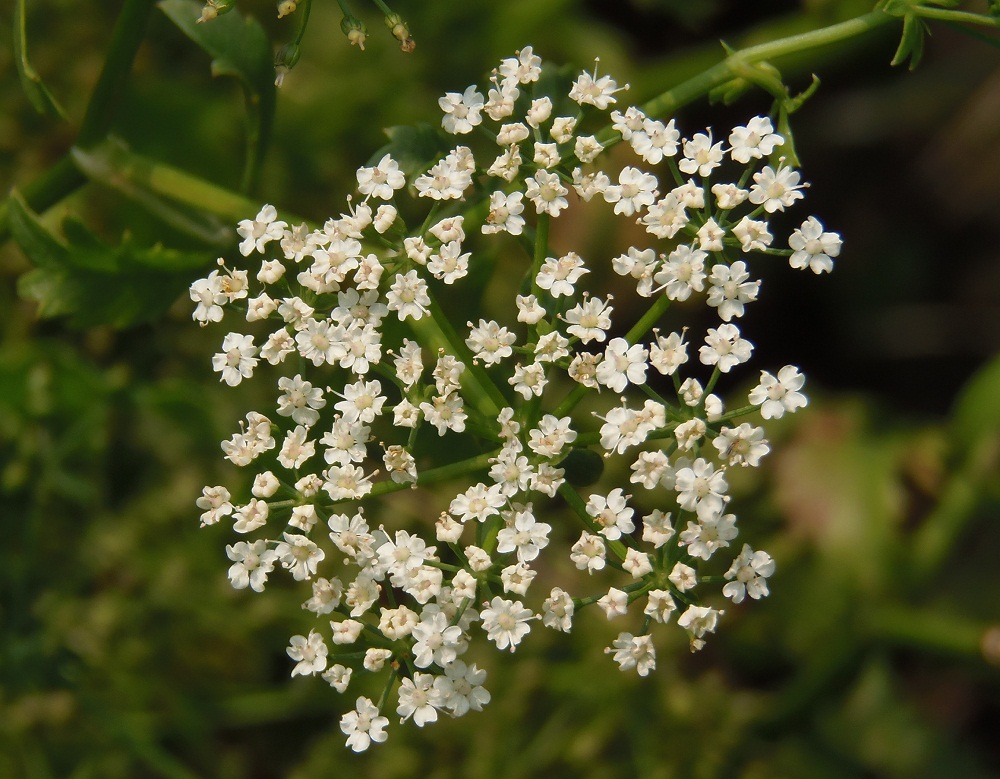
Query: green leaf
[414,148]
[92,283]
[38,94]
[911,44]
[239,47]
[976,412]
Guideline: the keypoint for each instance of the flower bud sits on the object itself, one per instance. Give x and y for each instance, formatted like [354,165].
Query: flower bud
[215,8]
[284,61]
[355,31]
[286,7]
[400,32]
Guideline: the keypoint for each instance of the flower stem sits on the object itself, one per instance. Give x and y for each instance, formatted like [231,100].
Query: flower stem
[125,40]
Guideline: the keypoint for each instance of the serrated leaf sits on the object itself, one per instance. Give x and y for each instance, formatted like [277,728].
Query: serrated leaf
[239,47]
[38,94]
[413,147]
[93,283]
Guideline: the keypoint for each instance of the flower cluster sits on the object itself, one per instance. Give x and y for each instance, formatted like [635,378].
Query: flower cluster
[369,369]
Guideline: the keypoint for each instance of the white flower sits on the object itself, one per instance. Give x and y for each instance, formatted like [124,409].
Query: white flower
[309,654]
[668,353]
[505,214]
[701,487]
[666,217]
[728,196]
[659,605]
[634,191]
[435,641]
[699,620]
[529,380]
[216,505]
[208,294]
[300,400]
[479,502]
[612,514]
[551,435]
[296,448]
[506,622]
[259,231]
[632,121]
[449,264]
[251,564]
[517,578]
[709,534]
[546,155]
[588,553]
[683,577]
[743,445]
[557,610]
[622,365]
[589,320]
[775,396]
[634,652]
[752,234]
[299,555]
[710,236]
[776,189]
[725,348]
[462,111]
[598,92]
[701,156]
[522,69]
[655,141]
[382,180]
[250,517]
[546,192]
[363,725]
[326,595]
[460,689]
[657,528]
[539,111]
[731,290]
[750,571]
[512,133]
[524,536]
[652,469]
[236,361]
[637,563]
[408,296]
[562,128]
[682,273]
[813,248]
[418,699]
[490,342]
[559,275]
[338,677]
[614,603]
[754,141]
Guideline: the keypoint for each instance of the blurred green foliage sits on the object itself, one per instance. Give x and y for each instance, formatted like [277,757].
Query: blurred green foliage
[124,652]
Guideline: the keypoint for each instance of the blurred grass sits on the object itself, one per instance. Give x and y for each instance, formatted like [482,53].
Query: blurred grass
[125,653]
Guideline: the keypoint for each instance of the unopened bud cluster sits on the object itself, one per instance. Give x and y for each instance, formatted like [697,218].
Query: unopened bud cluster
[343,322]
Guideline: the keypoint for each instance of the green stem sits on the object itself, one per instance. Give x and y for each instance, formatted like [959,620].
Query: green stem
[52,186]
[650,318]
[113,164]
[940,632]
[437,332]
[125,40]
[432,476]
[962,17]
[575,502]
